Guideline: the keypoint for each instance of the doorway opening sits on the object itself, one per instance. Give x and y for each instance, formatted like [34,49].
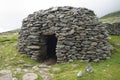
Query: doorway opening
[51,42]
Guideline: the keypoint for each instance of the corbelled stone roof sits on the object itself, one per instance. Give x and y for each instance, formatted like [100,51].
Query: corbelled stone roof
[81,36]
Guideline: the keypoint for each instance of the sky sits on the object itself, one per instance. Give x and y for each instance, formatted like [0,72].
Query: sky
[12,12]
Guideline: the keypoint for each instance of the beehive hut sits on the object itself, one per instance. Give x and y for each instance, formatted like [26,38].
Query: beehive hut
[64,33]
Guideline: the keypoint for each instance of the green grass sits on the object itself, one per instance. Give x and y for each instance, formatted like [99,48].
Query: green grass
[9,55]
[105,70]
[9,52]
[111,18]
[115,39]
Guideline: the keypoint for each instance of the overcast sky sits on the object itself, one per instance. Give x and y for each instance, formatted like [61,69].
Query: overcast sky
[12,12]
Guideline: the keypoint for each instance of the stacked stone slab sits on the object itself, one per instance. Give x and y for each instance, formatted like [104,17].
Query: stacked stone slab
[113,29]
[80,35]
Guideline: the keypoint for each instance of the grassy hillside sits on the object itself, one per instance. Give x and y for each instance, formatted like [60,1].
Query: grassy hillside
[10,32]
[112,17]
[11,59]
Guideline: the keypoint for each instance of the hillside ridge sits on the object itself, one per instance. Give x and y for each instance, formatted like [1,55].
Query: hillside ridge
[113,14]
[113,17]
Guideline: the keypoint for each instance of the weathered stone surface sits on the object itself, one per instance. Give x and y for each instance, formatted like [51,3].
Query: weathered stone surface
[33,47]
[113,29]
[14,79]
[5,75]
[80,35]
[79,74]
[89,68]
[30,76]
[56,69]
[27,65]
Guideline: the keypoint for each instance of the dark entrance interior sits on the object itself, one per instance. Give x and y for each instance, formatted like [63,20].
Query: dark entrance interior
[51,42]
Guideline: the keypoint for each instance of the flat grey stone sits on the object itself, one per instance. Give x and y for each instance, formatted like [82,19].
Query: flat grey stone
[79,74]
[34,47]
[56,69]
[5,75]
[30,76]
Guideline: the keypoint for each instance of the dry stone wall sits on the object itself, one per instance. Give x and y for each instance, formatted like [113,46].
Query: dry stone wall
[80,35]
[113,29]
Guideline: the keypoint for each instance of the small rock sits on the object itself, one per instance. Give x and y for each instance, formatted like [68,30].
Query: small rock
[30,76]
[33,47]
[74,65]
[50,16]
[43,66]
[56,69]
[27,65]
[96,60]
[79,74]
[14,79]
[35,68]
[27,70]
[18,70]
[89,68]
[20,62]
[81,60]
[94,44]
[5,75]
[70,60]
